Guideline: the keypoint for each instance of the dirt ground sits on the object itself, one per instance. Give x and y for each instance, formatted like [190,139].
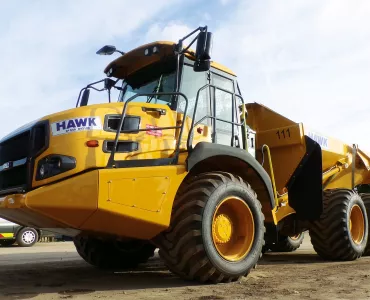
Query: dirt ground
[55,271]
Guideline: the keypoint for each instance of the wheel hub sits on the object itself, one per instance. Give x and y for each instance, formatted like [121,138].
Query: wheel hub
[233,229]
[223,229]
[28,237]
[357,224]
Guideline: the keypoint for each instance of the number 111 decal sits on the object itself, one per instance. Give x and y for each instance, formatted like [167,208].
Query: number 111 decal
[283,133]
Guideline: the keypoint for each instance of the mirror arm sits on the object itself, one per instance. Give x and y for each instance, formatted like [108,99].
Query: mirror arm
[193,41]
[194,31]
[180,43]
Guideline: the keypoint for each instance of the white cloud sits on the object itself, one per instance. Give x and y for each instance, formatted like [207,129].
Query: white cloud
[48,51]
[171,31]
[308,60]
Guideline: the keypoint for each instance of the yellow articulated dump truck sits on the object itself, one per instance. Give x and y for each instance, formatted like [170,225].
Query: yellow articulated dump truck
[180,163]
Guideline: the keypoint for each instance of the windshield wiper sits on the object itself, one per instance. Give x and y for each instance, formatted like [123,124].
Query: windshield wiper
[155,90]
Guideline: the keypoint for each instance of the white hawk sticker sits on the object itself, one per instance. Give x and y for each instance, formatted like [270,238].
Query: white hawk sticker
[321,140]
[76,125]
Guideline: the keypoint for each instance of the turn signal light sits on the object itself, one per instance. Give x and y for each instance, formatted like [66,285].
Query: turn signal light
[92,143]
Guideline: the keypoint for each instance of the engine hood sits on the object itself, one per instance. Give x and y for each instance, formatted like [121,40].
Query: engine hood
[58,122]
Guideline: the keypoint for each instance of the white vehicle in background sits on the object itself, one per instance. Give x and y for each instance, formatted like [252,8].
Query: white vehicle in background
[11,233]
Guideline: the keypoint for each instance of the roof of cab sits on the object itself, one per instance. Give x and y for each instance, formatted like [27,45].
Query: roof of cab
[124,66]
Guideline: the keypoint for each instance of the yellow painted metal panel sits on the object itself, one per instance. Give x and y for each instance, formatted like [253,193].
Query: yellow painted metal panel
[152,144]
[70,201]
[86,202]
[152,210]
[283,212]
[201,132]
[284,138]
[281,137]
[288,148]
[146,192]
[135,59]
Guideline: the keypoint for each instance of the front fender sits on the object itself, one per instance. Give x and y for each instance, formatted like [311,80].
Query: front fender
[204,150]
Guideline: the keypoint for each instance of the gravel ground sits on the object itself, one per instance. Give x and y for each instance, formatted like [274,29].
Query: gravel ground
[55,271]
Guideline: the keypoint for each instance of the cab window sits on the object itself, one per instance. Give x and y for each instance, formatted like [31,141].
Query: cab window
[191,82]
[226,109]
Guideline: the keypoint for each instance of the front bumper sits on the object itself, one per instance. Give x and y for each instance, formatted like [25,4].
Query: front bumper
[127,202]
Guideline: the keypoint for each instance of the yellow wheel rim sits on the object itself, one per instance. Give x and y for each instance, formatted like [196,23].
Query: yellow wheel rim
[233,229]
[357,224]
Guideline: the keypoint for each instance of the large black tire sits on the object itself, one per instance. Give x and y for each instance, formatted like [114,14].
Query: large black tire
[109,254]
[27,237]
[187,247]
[7,243]
[366,200]
[331,236]
[287,243]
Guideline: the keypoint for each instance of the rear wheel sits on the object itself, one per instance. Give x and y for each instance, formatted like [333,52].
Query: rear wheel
[27,237]
[110,254]
[366,200]
[7,243]
[216,232]
[342,231]
[288,243]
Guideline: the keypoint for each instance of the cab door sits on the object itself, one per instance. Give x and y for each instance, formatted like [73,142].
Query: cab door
[225,106]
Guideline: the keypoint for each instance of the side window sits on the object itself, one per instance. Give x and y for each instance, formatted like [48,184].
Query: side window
[191,82]
[224,103]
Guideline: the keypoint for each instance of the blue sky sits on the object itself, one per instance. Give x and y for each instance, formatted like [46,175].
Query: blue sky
[308,60]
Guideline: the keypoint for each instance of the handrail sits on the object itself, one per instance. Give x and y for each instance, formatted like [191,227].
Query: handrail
[272,174]
[193,124]
[123,115]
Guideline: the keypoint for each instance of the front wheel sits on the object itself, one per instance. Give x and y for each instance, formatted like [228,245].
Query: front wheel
[217,229]
[27,237]
[111,254]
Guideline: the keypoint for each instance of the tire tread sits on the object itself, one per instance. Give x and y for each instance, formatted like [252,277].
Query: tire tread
[180,247]
[329,235]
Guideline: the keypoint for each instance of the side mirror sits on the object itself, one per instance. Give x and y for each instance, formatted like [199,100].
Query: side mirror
[108,83]
[203,52]
[106,50]
[85,97]
[204,46]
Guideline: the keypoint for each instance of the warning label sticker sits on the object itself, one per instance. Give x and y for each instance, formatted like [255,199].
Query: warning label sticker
[153,131]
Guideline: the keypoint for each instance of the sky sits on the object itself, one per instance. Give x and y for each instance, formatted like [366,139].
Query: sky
[308,60]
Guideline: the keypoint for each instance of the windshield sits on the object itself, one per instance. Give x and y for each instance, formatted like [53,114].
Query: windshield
[164,84]
[152,79]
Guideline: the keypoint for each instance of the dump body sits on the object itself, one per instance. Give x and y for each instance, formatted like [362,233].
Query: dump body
[300,154]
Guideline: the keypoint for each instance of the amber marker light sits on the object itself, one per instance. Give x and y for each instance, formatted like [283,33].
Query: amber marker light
[92,143]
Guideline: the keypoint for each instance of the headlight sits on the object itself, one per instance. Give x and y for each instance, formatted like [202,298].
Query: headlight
[53,165]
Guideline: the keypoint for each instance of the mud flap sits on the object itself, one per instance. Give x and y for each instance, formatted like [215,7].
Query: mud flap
[305,186]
